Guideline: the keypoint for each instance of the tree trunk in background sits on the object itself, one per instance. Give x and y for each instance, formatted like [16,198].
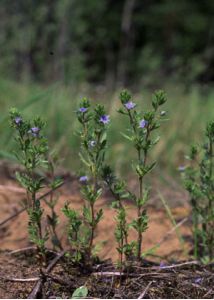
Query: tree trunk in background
[125,42]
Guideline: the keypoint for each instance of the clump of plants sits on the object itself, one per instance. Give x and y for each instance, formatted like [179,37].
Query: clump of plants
[31,152]
[82,228]
[199,182]
[38,172]
[140,133]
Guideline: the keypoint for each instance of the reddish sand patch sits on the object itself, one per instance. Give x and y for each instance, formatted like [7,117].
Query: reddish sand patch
[13,235]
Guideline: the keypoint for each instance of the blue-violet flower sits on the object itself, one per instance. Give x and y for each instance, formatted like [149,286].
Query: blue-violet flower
[143,123]
[83,178]
[130,105]
[18,120]
[34,131]
[105,119]
[83,109]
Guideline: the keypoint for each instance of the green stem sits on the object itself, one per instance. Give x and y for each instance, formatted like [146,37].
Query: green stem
[53,226]
[195,233]
[92,229]
[117,197]
[139,208]
[139,244]
[95,183]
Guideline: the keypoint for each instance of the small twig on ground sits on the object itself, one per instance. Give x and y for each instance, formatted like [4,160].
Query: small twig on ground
[209,292]
[145,290]
[20,279]
[22,250]
[38,285]
[54,261]
[59,280]
[140,275]
[109,274]
[36,290]
[194,262]
[33,248]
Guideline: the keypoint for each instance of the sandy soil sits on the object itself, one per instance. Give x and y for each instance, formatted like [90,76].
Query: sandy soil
[13,235]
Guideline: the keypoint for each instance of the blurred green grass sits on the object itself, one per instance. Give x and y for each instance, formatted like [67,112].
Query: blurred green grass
[188,113]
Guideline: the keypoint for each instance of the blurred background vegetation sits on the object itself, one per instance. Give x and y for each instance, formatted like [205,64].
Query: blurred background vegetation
[55,52]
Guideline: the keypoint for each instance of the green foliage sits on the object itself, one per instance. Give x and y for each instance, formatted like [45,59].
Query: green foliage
[53,218]
[120,193]
[92,154]
[199,182]
[140,134]
[31,151]
[75,234]
[35,231]
[192,111]
[33,155]
[159,99]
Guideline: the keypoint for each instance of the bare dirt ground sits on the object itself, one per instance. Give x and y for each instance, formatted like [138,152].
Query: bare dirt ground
[19,279]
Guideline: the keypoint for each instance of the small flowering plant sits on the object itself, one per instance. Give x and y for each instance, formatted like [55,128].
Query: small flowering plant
[53,183]
[93,145]
[32,149]
[140,134]
[119,191]
[198,177]
[74,232]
